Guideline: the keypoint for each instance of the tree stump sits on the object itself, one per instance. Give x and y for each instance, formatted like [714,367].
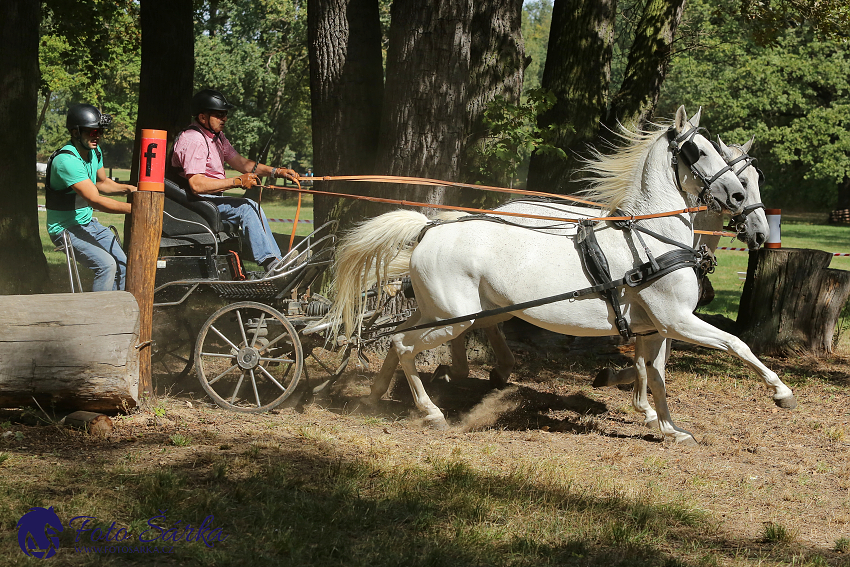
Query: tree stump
[791,302]
[70,350]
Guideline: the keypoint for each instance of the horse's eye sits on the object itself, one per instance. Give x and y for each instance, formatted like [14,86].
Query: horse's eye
[744,182]
[702,154]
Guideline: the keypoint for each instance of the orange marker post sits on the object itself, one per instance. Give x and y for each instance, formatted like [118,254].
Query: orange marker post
[145,232]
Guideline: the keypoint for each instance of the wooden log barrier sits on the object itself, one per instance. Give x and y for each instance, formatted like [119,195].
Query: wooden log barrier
[69,350]
[791,302]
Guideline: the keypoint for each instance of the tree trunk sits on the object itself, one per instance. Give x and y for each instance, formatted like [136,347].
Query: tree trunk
[23,267]
[578,72]
[165,80]
[346,84]
[649,57]
[791,302]
[497,68]
[69,351]
[425,118]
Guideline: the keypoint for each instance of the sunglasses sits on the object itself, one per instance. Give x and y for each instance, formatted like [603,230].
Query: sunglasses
[219,114]
[93,131]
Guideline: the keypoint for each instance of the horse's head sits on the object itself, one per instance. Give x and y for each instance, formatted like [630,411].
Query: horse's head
[37,531]
[700,169]
[751,224]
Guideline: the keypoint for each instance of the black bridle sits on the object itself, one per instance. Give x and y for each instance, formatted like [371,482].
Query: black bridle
[683,145]
[738,222]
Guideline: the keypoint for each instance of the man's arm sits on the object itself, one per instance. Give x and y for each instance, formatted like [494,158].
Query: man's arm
[202,185]
[109,187]
[245,165]
[89,192]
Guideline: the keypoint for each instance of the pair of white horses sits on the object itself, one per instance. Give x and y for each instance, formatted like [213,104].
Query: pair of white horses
[462,268]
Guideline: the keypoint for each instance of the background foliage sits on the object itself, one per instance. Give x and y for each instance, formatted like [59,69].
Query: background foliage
[776,70]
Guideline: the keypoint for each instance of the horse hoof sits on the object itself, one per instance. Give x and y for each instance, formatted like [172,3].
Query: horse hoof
[437,422]
[604,378]
[652,424]
[786,403]
[497,380]
[688,441]
[442,373]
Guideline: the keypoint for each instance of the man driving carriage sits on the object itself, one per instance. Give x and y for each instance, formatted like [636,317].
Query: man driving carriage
[73,185]
[200,152]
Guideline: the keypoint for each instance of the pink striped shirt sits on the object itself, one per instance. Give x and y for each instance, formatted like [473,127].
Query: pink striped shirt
[197,152]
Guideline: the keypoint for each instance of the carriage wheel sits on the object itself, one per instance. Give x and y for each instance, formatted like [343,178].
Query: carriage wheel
[248,357]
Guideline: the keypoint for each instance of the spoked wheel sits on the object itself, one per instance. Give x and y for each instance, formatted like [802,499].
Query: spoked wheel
[248,357]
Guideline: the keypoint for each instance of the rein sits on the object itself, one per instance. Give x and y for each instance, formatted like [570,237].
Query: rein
[418,181]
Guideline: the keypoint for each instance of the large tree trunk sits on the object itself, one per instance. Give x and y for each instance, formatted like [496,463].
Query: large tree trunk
[791,302]
[165,80]
[23,267]
[425,117]
[578,72]
[346,84]
[497,68]
[649,58]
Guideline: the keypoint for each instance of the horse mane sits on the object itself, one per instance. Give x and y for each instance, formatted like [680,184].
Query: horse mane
[613,178]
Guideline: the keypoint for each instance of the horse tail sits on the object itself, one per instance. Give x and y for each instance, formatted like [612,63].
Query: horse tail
[374,251]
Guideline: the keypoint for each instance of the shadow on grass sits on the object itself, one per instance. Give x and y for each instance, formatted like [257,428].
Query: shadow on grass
[299,504]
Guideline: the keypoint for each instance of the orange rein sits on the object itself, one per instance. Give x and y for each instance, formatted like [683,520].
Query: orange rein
[436,182]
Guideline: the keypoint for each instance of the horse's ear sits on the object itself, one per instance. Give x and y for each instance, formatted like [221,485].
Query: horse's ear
[681,120]
[746,147]
[724,149]
[695,118]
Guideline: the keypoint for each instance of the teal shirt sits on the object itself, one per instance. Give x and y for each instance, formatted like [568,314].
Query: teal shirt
[66,170]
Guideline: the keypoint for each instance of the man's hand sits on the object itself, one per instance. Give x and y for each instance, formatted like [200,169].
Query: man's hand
[290,174]
[246,180]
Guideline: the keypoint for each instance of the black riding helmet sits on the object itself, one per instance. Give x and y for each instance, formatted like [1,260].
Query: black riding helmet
[209,99]
[87,116]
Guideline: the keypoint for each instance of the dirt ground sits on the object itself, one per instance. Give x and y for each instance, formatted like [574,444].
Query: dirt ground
[756,465]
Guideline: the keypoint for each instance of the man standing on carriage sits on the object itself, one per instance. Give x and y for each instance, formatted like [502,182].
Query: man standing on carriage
[200,152]
[73,186]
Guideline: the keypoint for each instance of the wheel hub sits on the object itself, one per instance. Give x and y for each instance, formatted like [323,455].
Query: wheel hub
[247,358]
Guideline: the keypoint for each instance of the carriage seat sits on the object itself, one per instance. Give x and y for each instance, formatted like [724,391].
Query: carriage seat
[191,220]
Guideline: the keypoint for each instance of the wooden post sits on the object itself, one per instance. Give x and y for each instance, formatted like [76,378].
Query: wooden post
[791,302]
[145,232]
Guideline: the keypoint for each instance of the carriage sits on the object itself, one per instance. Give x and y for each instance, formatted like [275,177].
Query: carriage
[249,354]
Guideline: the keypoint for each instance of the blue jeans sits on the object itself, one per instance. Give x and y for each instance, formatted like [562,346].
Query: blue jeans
[255,225]
[98,249]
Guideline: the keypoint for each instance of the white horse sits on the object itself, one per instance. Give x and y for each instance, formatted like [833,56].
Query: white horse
[752,228]
[463,268]
[754,233]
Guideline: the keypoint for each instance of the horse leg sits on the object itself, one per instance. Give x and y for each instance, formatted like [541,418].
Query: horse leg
[607,377]
[382,381]
[505,360]
[384,377]
[694,330]
[650,358]
[459,369]
[408,345]
[638,374]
